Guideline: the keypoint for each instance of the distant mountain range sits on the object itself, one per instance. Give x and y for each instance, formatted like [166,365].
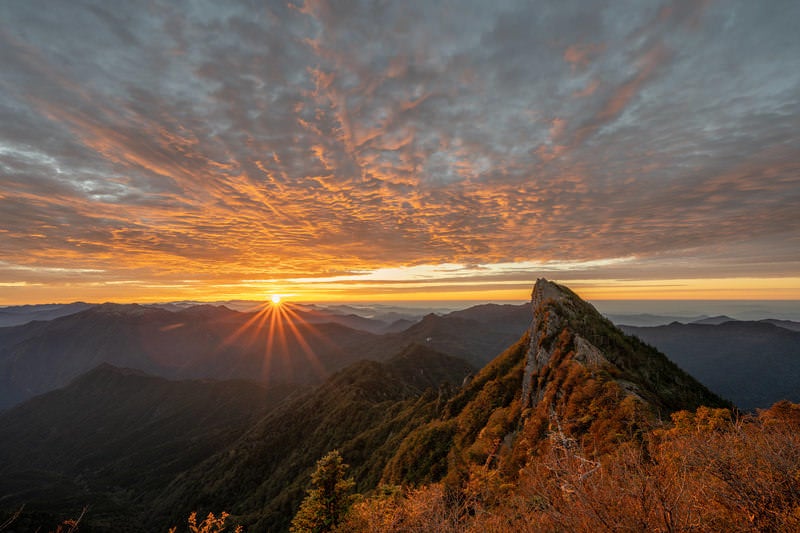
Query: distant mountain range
[376,317]
[649,320]
[22,314]
[198,342]
[296,345]
[754,364]
[188,341]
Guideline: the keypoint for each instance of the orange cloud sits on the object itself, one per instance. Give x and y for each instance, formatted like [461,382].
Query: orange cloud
[581,55]
[647,66]
[325,142]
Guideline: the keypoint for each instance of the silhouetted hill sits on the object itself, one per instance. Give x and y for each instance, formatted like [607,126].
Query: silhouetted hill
[496,313]
[113,436]
[754,364]
[399,325]
[350,320]
[714,320]
[385,313]
[786,324]
[477,334]
[648,319]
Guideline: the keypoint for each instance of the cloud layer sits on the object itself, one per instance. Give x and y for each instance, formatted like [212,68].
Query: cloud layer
[167,144]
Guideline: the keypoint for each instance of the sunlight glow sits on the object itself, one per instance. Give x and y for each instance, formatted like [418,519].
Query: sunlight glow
[284,334]
[457,271]
[493,283]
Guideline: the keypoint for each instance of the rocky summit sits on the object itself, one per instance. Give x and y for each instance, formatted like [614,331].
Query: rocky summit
[566,330]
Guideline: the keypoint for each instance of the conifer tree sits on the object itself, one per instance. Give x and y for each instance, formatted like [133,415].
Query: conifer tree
[328,499]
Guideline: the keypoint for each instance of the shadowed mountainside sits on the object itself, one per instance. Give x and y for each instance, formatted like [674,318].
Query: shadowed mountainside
[477,334]
[365,411]
[143,451]
[113,436]
[754,364]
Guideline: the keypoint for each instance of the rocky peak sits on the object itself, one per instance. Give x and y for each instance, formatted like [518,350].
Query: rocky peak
[546,290]
[567,331]
[549,318]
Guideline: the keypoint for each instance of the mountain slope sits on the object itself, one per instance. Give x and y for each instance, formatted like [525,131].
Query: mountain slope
[477,334]
[114,435]
[754,364]
[364,411]
[15,315]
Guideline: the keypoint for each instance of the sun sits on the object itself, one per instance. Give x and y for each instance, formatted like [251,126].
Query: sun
[276,299]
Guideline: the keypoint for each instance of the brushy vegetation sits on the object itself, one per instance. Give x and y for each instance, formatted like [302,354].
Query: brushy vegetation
[707,472]
[210,524]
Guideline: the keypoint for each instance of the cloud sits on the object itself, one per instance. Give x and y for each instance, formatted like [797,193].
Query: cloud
[580,55]
[292,140]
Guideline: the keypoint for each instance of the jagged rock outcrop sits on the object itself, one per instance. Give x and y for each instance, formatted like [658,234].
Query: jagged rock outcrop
[543,327]
[566,330]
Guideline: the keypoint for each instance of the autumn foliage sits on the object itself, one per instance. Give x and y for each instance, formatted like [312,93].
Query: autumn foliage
[210,524]
[708,471]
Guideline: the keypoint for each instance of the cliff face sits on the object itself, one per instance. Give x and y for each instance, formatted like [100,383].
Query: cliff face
[547,302]
[568,331]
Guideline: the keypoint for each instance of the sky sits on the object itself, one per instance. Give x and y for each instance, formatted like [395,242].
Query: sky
[389,150]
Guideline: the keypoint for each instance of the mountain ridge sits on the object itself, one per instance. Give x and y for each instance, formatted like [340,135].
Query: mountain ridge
[112,435]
